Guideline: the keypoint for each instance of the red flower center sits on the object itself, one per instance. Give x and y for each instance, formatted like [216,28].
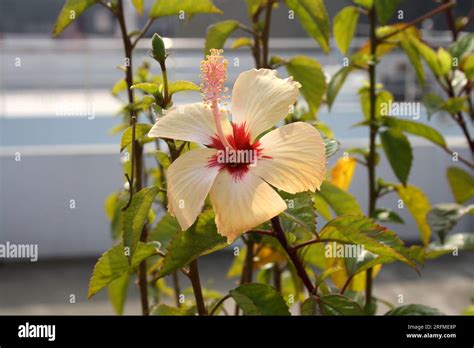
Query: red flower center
[242,154]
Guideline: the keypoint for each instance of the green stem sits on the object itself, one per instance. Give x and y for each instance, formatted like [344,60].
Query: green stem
[373,129]
[196,284]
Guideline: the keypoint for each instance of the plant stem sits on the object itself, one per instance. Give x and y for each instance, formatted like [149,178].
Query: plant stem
[373,128]
[450,19]
[177,290]
[266,34]
[218,304]
[293,254]
[196,284]
[276,276]
[137,150]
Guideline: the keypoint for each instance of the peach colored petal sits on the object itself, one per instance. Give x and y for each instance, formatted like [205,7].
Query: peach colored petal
[242,204]
[297,158]
[261,99]
[189,181]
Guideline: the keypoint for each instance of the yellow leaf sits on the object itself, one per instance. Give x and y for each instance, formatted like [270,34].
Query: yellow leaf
[267,255]
[342,173]
[418,205]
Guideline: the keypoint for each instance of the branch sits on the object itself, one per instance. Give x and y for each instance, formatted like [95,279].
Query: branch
[218,304]
[143,31]
[427,15]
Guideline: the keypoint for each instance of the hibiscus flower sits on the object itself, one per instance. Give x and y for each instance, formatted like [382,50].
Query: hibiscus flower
[237,165]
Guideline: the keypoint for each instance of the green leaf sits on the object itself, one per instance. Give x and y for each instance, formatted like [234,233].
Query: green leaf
[340,305]
[187,7]
[254,5]
[336,83]
[200,239]
[357,229]
[445,61]
[453,243]
[180,86]
[322,207]
[314,18]
[414,58]
[141,131]
[418,206]
[117,291]
[413,309]
[341,202]
[300,212]
[148,87]
[218,33]
[113,264]
[309,73]
[387,215]
[433,103]
[120,85]
[454,105]
[463,46]
[163,158]
[259,299]
[344,26]
[241,42]
[164,231]
[461,183]
[138,4]
[383,99]
[364,3]
[385,9]
[415,128]
[165,310]
[134,217]
[429,55]
[71,10]
[398,151]
[443,217]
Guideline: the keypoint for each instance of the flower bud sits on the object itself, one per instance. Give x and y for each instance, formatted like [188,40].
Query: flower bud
[159,51]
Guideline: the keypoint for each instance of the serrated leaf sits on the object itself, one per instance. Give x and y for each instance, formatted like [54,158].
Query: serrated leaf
[138,4]
[339,305]
[71,10]
[164,232]
[418,206]
[259,299]
[336,83]
[135,216]
[341,202]
[314,18]
[398,151]
[218,33]
[141,131]
[300,212]
[415,128]
[176,7]
[357,229]
[385,9]
[452,243]
[461,183]
[413,310]
[342,173]
[180,86]
[114,263]
[344,26]
[331,146]
[309,73]
[117,292]
[200,239]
